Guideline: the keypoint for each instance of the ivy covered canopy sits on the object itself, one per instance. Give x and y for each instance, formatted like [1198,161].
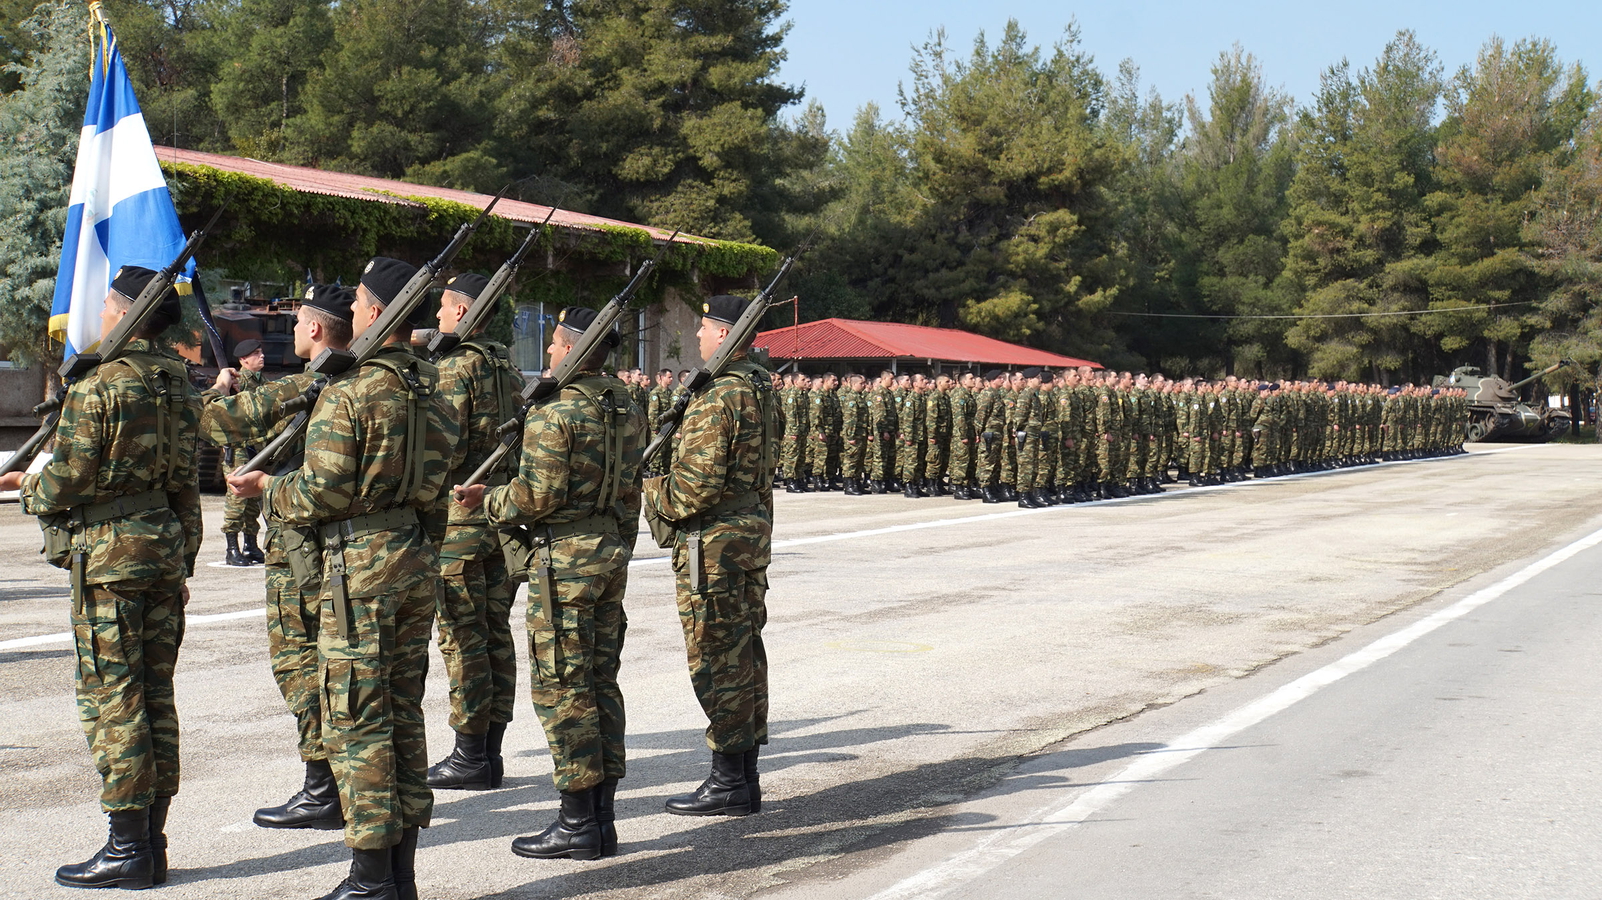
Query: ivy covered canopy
[277,232]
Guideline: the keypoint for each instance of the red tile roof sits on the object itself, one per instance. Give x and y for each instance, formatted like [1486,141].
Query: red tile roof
[384,190]
[853,339]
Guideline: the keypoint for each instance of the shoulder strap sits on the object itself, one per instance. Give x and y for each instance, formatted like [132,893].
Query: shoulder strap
[168,384]
[612,413]
[417,378]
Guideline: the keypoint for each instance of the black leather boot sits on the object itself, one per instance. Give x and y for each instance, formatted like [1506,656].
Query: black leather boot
[232,556]
[723,793]
[575,834]
[250,551]
[753,782]
[990,494]
[467,768]
[371,877]
[606,815]
[126,861]
[492,748]
[315,805]
[403,864]
[794,486]
[911,491]
[158,838]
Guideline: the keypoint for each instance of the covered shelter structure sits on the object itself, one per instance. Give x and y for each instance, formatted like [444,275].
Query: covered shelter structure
[842,345]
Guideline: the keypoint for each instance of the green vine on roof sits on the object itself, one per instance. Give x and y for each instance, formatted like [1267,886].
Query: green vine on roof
[271,232]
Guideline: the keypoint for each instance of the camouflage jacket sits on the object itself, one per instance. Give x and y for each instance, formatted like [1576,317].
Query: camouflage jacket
[658,403]
[482,387]
[881,410]
[355,462]
[562,471]
[723,458]
[853,415]
[113,440]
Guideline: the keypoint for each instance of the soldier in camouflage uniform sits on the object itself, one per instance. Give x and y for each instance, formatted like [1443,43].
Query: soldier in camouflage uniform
[294,605]
[241,516]
[988,431]
[853,434]
[119,507]
[819,433]
[479,381]
[882,426]
[912,437]
[960,464]
[660,399]
[719,500]
[793,454]
[379,445]
[577,492]
[937,435]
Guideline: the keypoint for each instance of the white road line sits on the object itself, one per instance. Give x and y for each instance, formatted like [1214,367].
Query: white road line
[1052,819]
[65,637]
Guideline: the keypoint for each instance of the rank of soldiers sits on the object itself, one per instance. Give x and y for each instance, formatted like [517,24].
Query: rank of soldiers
[374,537]
[1040,437]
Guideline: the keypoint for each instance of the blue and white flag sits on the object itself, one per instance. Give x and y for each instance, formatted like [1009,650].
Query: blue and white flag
[120,210]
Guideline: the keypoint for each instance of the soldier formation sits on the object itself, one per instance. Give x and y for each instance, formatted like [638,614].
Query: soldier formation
[368,546]
[1041,438]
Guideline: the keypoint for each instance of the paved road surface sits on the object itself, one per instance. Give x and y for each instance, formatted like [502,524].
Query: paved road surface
[924,654]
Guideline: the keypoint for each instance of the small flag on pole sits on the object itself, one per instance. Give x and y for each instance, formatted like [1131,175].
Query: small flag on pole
[120,212]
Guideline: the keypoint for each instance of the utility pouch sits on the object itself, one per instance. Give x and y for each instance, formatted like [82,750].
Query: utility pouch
[304,555]
[662,530]
[517,547]
[57,529]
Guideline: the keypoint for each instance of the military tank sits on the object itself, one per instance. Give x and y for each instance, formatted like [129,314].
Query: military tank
[1498,412]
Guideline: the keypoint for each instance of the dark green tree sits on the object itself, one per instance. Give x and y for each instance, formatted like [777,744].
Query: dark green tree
[1511,118]
[1234,170]
[1566,234]
[402,92]
[1358,223]
[660,111]
[172,56]
[39,125]
[277,45]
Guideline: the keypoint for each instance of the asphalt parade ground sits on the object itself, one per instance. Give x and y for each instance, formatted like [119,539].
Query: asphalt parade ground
[1366,682]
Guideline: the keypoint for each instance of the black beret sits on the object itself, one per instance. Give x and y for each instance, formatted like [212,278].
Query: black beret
[724,308]
[1046,375]
[579,318]
[331,299]
[1031,372]
[1265,387]
[992,375]
[130,281]
[246,347]
[470,283]
[386,277]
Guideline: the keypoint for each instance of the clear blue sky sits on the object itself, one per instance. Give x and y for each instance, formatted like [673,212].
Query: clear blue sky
[850,53]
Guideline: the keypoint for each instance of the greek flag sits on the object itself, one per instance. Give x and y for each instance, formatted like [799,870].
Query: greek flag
[120,212]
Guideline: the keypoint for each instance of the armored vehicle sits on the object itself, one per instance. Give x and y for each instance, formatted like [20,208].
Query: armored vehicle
[1498,412]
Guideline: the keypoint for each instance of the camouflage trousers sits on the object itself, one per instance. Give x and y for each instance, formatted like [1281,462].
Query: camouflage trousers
[960,464]
[935,459]
[372,701]
[1031,472]
[879,455]
[723,625]
[909,459]
[241,514]
[991,452]
[575,652]
[853,457]
[127,637]
[1108,458]
[292,616]
[1067,471]
[792,456]
[475,630]
[818,454]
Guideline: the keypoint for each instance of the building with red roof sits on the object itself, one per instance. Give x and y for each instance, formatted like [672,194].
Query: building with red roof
[854,344]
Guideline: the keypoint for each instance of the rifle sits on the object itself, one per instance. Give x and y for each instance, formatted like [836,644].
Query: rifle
[445,341]
[107,349]
[334,361]
[738,337]
[566,371]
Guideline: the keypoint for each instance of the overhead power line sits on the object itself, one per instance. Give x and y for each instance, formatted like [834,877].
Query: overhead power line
[1373,315]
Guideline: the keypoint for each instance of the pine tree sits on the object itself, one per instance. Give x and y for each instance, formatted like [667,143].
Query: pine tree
[1566,237]
[39,125]
[277,45]
[1234,170]
[662,111]
[1358,224]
